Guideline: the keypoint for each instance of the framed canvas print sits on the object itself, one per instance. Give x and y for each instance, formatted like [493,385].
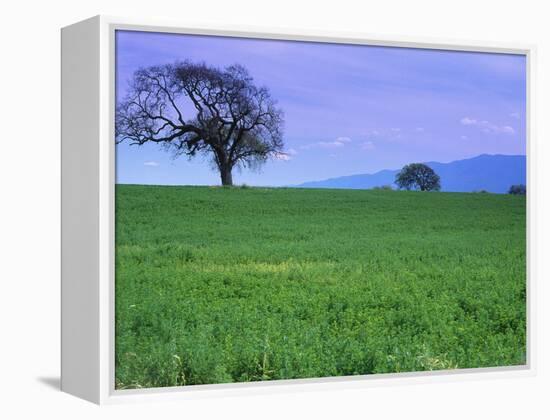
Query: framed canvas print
[245,208]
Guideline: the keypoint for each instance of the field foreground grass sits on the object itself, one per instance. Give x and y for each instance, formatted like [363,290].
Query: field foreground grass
[219,285]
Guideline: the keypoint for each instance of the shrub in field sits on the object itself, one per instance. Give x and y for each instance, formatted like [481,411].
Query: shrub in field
[518,189]
[384,187]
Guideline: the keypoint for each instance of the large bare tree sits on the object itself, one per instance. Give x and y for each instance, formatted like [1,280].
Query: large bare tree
[194,109]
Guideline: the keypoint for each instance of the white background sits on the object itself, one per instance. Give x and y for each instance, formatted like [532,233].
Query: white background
[29,205]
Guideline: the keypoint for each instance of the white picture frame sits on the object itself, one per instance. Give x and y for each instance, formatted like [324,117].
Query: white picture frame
[88,177]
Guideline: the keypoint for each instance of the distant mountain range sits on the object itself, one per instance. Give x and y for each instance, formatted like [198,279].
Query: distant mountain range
[493,173]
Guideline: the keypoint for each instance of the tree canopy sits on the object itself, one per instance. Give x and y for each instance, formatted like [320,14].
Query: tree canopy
[418,176]
[194,109]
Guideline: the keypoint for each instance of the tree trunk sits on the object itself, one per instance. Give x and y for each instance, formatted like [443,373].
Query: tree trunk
[227,177]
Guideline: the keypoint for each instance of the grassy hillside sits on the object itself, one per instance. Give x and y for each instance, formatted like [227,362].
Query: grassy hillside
[223,285]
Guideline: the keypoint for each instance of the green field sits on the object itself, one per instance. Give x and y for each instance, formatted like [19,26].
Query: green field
[246,284]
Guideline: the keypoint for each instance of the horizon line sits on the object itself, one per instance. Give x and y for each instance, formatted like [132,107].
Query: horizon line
[300,185]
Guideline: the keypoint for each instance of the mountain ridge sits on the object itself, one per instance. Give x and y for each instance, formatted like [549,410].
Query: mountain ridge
[492,173]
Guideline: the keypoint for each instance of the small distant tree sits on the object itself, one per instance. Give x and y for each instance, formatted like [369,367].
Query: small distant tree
[418,176]
[519,189]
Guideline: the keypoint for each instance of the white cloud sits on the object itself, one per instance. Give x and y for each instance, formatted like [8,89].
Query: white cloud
[368,145]
[330,144]
[468,121]
[507,129]
[515,115]
[151,163]
[373,133]
[388,134]
[498,129]
[282,156]
[339,142]
[464,137]
[419,129]
[292,152]
[488,127]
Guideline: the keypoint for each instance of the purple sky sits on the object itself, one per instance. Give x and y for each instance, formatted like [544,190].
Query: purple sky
[348,109]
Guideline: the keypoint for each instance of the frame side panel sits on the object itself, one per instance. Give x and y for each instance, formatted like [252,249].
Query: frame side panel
[80,362]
